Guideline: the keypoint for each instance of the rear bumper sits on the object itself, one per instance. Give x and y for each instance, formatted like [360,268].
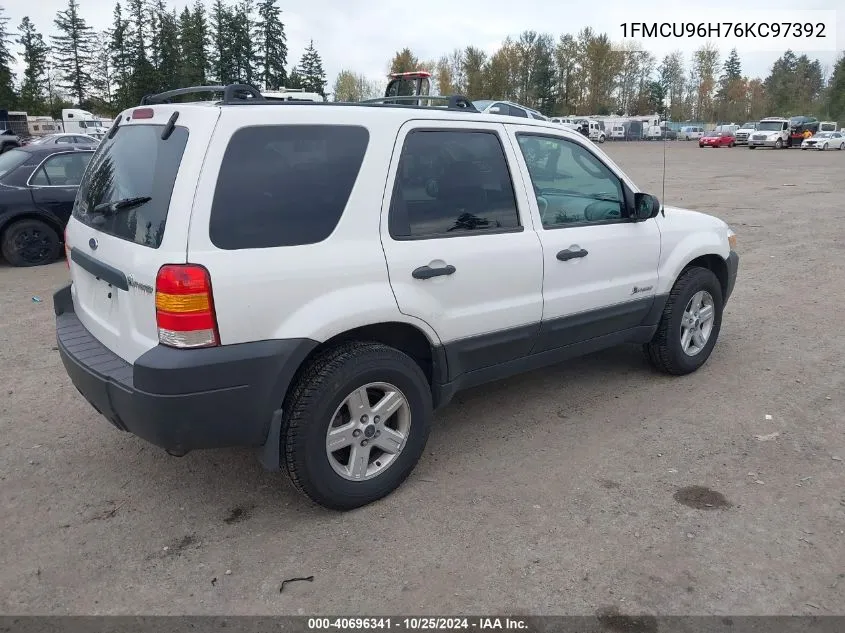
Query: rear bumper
[733,267]
[181,400]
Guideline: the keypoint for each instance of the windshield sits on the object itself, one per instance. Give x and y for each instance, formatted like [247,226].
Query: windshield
[11,160]
[481,104]
[135,163]
[824,134]
[770,126]
[750,125]
[42,140]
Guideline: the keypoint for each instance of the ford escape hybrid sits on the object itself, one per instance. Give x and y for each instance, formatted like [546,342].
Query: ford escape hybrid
[313,280]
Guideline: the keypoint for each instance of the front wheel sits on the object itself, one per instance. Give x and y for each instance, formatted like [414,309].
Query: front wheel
[30,243]
[356,424]
[779,144]
[690,324]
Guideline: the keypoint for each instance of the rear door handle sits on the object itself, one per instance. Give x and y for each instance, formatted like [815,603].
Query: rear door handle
[427,272]
[568,254]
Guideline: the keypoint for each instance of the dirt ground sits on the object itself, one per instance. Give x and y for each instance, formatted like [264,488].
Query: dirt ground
[563,491]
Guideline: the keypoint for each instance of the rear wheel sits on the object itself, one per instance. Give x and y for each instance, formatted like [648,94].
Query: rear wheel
[356,424]
[690,323]
[30,243]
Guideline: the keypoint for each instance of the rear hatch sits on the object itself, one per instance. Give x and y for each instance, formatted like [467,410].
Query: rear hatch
[148,172]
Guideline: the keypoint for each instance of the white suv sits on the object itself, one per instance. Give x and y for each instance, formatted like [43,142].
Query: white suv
[314,280]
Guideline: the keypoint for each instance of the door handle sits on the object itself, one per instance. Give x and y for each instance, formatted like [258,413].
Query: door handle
[566,254]
[427,272]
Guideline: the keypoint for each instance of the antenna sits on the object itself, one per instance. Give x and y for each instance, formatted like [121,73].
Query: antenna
[663,191]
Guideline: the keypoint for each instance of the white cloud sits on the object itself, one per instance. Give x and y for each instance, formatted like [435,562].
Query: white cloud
[362,35]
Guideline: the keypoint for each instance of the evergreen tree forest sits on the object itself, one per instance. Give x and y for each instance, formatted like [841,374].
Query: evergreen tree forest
[151,46]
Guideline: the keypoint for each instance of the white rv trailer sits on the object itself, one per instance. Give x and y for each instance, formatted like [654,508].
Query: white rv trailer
[42,125]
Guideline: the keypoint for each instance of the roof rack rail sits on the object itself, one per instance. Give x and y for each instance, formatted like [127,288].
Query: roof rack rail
[233,93]
[453,102]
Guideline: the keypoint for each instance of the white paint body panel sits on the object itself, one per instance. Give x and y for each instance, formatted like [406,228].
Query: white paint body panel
[126,322]
[359,275]
[621,255]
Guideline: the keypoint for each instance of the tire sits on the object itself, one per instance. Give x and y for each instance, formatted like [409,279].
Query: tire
[752,147]
[30,243]
[824,147]
[665,351]
[601,138]
[779,144]
[842,146]
[318,401]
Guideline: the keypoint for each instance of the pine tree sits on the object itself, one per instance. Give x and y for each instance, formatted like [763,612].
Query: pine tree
[245,53]
[73,50]
[272,45]
[311,68]
[34,85]
[8,98]
[102,75]
[732,67]
[169,53]
[295,79]
[222,34]
[836,92]
[193,41]
[121,60]
[143,74]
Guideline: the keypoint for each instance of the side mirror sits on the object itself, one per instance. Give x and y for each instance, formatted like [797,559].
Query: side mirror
[494,110]
[645,206]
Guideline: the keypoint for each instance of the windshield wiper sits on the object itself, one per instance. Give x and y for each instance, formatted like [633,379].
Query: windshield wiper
[111,208]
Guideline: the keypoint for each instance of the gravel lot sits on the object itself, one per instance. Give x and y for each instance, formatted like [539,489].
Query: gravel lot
[557,492]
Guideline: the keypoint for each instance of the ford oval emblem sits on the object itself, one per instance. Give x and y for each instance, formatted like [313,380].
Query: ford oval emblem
[93,244]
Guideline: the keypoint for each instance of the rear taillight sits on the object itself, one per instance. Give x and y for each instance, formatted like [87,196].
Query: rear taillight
[185,307]
[67,251]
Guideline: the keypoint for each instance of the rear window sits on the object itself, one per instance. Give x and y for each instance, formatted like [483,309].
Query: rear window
[135,163]
[285,185]
[12,159]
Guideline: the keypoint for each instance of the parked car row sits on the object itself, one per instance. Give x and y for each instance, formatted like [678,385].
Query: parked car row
[38,185]
[777,133]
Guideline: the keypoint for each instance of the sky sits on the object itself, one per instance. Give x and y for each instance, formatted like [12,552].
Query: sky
[363,35]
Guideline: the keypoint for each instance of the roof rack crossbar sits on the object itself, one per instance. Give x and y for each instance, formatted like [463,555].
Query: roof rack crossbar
[453,102]
[233,93]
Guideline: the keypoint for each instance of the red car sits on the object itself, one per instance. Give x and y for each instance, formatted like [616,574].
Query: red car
[717,139]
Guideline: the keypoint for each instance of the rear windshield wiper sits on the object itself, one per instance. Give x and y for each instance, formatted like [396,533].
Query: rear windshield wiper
[111,208]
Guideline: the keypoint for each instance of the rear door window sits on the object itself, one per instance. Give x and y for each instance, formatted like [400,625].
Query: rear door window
[451,183]
[61,170]
[135,163]
[285,185]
